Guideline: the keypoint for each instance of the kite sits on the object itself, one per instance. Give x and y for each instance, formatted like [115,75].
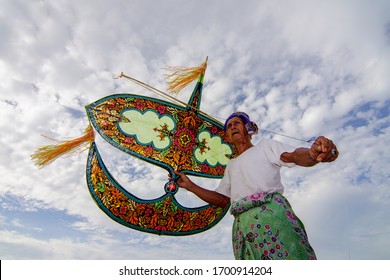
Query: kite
[173,136]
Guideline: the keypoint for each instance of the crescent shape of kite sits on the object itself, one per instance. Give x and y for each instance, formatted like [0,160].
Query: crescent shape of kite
[162,216]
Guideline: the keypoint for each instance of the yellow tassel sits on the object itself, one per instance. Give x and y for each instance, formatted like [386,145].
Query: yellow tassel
[47,154]
[182,76]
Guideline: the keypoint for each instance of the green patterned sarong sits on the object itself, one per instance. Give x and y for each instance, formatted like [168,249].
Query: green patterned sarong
[265,227]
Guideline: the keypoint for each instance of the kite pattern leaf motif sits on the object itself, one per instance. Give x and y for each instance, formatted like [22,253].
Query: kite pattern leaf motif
[163,215]
[162,133]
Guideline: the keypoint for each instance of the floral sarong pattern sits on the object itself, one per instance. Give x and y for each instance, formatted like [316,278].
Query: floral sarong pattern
[266,227]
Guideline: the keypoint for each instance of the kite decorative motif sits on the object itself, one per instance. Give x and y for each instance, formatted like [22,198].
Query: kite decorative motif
[163,215]
[165,134]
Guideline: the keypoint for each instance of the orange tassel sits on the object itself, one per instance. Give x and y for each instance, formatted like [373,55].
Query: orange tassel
[182,76]
[47,154]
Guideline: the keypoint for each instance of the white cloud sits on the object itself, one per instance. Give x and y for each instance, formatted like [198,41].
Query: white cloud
[301,68]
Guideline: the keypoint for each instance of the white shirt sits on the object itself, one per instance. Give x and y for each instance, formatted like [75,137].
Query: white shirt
[257,170]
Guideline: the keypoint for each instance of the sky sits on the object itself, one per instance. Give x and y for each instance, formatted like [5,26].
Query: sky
[300,68]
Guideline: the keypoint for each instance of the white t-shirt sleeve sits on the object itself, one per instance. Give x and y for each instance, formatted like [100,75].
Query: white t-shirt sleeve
[276,149]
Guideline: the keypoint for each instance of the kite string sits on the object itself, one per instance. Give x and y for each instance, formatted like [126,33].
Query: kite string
[163,94]
[157,91]
[284,135]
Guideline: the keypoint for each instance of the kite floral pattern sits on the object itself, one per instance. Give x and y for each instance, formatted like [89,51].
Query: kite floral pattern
[160,216]
[162,133]
[184,140]
[167,135]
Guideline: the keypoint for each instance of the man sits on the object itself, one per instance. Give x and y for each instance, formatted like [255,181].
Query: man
[265,226]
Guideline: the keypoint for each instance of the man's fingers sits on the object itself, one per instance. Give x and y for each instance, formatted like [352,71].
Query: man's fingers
[330,155]
[324,145]
[324,150]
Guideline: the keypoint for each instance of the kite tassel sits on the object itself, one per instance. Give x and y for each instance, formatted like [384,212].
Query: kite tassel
[45,155]
[183,76]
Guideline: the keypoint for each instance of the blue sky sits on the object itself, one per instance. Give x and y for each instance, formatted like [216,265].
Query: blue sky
[301,68]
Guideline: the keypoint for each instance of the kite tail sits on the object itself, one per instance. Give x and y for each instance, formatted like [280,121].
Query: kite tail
[182,76]
[47,154]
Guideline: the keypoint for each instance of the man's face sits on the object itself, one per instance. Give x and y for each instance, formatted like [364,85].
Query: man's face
[235,129]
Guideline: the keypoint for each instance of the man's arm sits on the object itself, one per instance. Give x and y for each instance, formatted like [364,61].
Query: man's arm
[322,150]
[209,196]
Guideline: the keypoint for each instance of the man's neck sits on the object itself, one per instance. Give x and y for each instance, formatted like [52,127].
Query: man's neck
[243,146]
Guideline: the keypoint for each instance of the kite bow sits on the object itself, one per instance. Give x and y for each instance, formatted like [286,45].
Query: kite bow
[169,135]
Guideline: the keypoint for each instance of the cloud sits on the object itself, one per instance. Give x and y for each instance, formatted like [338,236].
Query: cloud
[297,68]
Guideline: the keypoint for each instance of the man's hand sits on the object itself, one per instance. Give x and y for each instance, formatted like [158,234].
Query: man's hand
[182,180]
[323,150]
[209,196]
